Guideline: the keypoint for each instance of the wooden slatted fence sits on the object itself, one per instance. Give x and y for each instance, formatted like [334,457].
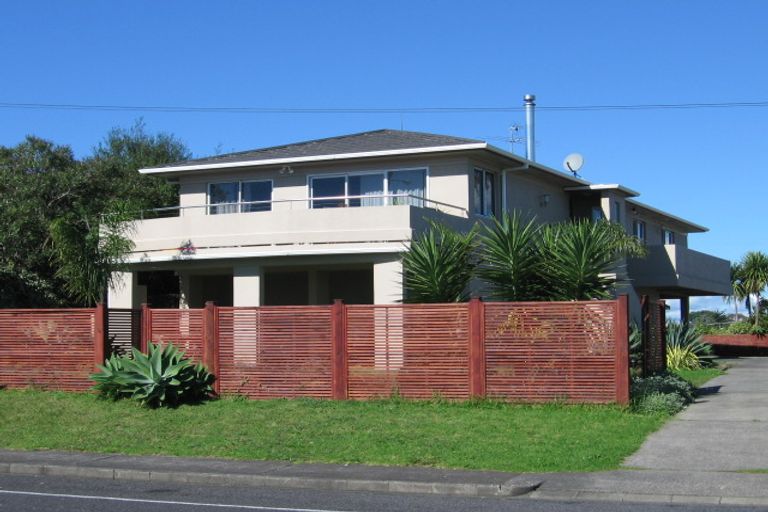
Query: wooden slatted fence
[571,351]
[552,351]
[48,348]
[412,350]
[182,327]
[272,352]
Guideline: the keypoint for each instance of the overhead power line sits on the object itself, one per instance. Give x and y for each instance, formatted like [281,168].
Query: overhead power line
[373,110]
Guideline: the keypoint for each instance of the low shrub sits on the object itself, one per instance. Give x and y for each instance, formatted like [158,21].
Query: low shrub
[742,327]
[685,349]
[161,378]
[661,393]
[660,403]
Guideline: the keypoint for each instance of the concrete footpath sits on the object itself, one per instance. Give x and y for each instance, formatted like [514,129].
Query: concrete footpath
[706,455]
[726,429]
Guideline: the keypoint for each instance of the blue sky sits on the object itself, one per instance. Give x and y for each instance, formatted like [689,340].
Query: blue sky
[701,164]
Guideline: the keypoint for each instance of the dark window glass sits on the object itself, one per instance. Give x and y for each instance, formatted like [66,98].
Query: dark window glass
[256,191]
[224,197]
[489,194]
[366,185]
[328,187]
[409,184]
[639,229]
[478,192]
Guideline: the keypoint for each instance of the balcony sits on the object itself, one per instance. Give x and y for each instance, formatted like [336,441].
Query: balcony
[679,271]
[286,227]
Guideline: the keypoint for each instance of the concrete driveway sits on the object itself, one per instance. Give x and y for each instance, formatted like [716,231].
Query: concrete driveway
[726,429]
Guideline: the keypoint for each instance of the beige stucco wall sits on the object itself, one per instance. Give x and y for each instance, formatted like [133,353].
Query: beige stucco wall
[525,194]
[446,180]
[387,281]
[247,285]
[125,292]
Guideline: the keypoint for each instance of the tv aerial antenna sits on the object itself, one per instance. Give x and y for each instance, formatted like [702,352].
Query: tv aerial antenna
[573,163]
[514,137]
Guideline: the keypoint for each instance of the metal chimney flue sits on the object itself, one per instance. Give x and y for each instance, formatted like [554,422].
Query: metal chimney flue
[530,127]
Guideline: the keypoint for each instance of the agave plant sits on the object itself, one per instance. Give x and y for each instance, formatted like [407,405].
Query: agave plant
[685,350]
[438,265]
[162,377]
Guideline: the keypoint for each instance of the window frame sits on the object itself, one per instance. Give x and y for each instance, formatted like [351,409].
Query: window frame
[668,234]
[494,192]
[209,205]
[387,201]
[639,223]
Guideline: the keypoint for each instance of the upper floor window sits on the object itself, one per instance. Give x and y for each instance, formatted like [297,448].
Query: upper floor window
[597,214]
[668,236]
[638,229]
[369,189]
[239,196]
[617,212]
[484,191]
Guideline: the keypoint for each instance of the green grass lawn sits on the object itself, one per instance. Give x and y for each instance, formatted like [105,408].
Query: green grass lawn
[475,435]
[699,377]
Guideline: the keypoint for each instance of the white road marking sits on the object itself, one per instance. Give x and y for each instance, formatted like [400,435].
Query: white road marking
[166,502]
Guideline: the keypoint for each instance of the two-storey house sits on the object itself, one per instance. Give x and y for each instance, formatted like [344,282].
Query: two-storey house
[309,222]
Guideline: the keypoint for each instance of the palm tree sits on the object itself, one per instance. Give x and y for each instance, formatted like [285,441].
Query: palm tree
[581,259]
[739,293]
[755,277]
[90,250]
[510,258]
[438,265]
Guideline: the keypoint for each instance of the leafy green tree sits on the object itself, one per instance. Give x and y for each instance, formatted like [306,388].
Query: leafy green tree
[38,183]
[61,219]
[510,258]
[581,259]
[91,239]
[755,277]
[438,265]
[707,317]
[116,160]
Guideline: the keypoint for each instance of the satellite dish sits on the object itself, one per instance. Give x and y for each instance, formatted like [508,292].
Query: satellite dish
[573,162]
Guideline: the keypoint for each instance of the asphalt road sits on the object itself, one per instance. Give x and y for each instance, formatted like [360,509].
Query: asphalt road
[54,494]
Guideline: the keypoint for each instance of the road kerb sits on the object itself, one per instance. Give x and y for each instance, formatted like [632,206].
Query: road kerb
[513,487]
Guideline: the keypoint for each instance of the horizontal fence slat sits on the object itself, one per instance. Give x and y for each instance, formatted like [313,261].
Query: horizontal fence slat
[48,348]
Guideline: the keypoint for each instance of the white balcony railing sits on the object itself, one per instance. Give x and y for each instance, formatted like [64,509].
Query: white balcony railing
[307,203]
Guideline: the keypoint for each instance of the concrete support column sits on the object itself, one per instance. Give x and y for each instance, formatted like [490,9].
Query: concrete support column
[388,282]
[685,309]
[247,285]
[125,291]
[120,294]
[312,291]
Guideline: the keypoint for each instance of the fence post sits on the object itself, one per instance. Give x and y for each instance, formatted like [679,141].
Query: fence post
[211,341]
[339,350]
[621,328]
[476,348]
[100,333]
[146,327]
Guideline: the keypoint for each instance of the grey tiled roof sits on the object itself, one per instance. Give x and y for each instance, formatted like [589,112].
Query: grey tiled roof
[378,140]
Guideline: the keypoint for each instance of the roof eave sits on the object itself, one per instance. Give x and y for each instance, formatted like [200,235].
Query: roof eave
[315,158]
[693,227]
